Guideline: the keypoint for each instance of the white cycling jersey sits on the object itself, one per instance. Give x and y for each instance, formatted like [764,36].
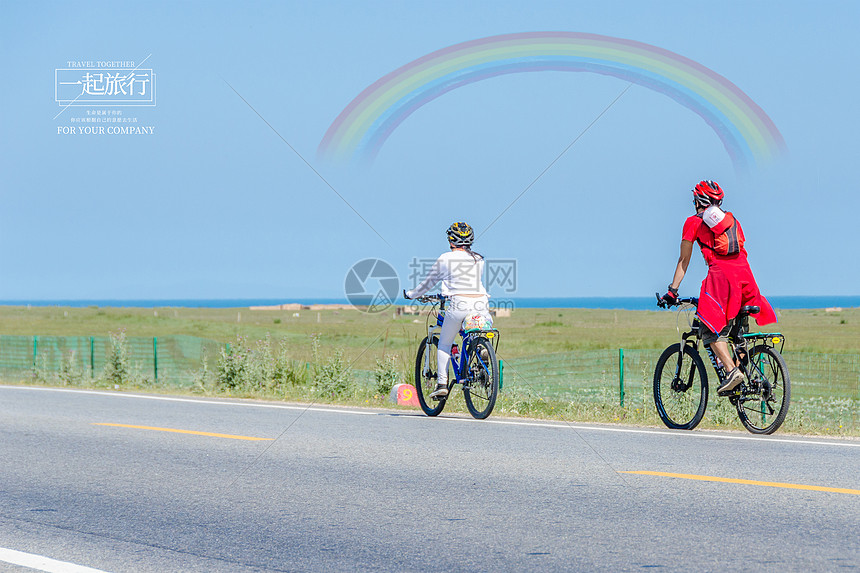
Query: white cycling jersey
[459,272]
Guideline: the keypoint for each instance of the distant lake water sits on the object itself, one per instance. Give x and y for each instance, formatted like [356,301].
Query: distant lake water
[620,303]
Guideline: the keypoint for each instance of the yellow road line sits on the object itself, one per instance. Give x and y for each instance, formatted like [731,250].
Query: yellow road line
[749,482]
[230,436]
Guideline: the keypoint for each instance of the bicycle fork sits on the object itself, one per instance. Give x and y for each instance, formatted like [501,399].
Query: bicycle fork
[679,384]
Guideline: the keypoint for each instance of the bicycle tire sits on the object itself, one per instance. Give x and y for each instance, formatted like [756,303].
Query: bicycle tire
[680,402]
[425,383]
[765,415]
[482,388]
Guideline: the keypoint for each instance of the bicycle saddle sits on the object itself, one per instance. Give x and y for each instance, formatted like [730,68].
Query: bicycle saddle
[749,309]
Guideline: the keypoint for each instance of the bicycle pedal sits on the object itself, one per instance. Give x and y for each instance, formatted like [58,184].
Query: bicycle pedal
[733,392]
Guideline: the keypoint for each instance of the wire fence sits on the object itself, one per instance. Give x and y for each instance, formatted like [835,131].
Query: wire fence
[628,371]
[166,358]
[825,387]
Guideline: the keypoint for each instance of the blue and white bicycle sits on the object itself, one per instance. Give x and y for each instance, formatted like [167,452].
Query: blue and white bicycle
[475,367]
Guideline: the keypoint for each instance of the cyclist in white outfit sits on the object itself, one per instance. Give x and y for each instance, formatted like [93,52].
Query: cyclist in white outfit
[460,271]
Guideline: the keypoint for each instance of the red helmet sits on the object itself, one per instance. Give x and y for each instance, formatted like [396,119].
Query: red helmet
[708,193]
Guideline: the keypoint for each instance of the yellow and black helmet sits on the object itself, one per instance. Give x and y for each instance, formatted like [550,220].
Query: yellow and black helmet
[461,235]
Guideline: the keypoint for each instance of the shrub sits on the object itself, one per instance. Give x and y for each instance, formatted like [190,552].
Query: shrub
[386,374]
[72,372]
[332,378]
[286,371]
[203,380]
[117,370]
[247,368]
[232,371]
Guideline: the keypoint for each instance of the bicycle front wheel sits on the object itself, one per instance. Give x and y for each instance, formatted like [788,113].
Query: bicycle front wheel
[426,375]
[482,387]
[680,387]
[763,403]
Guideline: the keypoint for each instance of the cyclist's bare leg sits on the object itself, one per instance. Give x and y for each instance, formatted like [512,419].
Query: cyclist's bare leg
[721,349]
[720,346]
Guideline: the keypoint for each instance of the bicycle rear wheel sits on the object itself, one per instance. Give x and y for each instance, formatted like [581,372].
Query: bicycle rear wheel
[426,375]
[482,387]
[680,387]
[763,403]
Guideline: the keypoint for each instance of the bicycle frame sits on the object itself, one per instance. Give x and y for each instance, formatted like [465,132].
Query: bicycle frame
[739,338]
[764,390]
[459,365]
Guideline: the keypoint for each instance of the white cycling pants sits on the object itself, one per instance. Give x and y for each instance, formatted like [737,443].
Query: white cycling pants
[457,309]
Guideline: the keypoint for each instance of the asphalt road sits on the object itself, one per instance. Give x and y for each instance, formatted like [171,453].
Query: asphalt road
[330,489]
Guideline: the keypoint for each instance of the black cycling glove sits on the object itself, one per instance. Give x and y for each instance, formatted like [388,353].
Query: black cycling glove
[671,296]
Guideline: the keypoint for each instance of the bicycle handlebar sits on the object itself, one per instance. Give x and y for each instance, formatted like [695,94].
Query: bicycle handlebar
[427,298]
[666,304]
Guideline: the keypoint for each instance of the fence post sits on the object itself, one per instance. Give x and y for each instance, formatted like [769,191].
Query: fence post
[621,375]
[35,349]
[92,357]
[155,356]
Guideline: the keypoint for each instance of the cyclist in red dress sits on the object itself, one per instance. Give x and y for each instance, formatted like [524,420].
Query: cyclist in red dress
[730,283]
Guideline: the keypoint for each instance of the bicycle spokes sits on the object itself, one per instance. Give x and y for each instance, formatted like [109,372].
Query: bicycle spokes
[680,387]
[763,402]
[481,383]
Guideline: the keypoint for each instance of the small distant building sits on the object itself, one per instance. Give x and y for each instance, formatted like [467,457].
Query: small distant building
[288,306]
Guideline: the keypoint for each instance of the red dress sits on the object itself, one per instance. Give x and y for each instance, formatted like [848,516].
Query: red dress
[730,283]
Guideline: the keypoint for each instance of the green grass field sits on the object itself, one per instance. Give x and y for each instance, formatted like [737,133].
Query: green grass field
[559,362]
[526,332]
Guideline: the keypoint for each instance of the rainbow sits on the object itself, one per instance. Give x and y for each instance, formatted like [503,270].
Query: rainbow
[361,129]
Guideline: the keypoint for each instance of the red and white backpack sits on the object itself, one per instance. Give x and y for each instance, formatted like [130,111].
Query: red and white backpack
[728,239]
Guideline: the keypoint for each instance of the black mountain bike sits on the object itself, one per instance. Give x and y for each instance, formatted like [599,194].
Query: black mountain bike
[681,382]
[476,367]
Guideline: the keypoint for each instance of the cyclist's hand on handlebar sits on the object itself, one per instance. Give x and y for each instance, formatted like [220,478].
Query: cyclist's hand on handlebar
[406,296]
[670,298]
[428,298]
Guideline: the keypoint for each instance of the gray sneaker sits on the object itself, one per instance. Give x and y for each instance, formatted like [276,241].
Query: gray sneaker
[440,392]
[733,380]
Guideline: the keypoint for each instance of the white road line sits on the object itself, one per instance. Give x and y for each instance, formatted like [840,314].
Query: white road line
[192,400]
[42,563]
[682,433]
[560,425]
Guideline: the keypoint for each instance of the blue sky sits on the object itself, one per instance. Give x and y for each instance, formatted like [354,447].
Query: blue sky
[215,205]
